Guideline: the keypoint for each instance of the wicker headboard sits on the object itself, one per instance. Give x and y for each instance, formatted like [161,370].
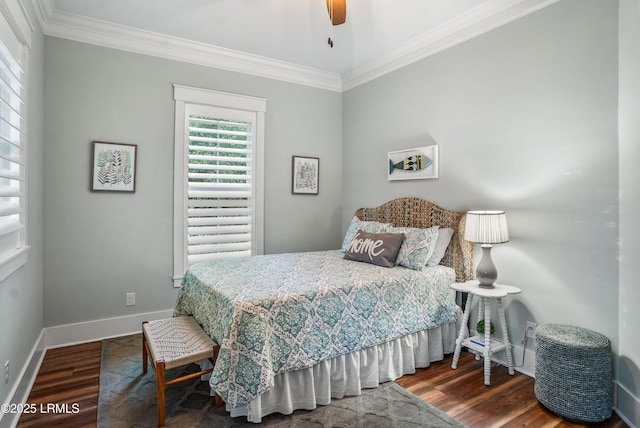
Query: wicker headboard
[416,212]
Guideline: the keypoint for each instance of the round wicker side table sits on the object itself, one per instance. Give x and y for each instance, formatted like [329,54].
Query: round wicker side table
[573,372]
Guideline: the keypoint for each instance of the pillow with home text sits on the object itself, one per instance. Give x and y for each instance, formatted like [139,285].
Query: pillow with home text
[376,248]
[367,226]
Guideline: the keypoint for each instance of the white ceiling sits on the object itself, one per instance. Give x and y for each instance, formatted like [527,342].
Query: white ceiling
[282,39]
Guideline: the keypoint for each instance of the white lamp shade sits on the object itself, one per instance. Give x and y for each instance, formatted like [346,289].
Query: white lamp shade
[486,227]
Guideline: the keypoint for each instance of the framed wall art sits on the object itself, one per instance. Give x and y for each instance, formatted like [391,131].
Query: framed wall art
[305,175]
[413,164]
[113,167]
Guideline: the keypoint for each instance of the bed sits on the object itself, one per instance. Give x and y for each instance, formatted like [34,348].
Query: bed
[296,330]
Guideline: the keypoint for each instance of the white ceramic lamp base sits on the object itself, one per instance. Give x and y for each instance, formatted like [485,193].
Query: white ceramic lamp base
[486,271]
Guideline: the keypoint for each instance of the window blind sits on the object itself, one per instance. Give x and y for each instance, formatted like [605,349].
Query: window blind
[219,212]
[12,177]
[218,191]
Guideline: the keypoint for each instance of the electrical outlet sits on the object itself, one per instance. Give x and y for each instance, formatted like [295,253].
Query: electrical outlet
[6,372]
[131,299]
[531,329]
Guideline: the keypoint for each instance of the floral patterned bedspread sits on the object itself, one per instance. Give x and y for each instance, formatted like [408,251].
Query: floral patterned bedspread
[286,312]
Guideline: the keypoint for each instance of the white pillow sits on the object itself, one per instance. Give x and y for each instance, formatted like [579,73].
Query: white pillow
[444,237]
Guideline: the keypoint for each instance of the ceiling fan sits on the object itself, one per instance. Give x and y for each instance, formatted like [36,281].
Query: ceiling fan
[337,14]
[337,11]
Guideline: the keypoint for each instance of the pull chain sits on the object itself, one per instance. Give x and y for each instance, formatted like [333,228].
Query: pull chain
[330,40]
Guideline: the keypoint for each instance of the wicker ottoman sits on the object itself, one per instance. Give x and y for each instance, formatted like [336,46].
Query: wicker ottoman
[573,372]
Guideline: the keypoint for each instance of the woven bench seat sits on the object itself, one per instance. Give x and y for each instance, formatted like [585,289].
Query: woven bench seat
[574,373]
[175,342]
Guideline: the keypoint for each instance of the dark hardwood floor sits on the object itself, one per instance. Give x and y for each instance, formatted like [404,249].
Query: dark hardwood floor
[70,378]
[72,375]
[508,402]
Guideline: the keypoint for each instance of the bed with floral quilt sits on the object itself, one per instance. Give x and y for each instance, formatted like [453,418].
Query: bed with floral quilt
[296,330]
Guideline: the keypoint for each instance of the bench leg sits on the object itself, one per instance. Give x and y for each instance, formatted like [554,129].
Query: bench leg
[144,350]
[160,391]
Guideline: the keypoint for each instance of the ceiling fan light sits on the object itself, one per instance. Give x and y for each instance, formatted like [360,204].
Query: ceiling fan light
[337,11]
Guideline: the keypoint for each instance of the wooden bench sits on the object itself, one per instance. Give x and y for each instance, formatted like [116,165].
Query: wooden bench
[174,342]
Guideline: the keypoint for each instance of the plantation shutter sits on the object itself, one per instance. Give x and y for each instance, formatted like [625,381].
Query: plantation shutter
[220,178]
[12,175]
[218,191]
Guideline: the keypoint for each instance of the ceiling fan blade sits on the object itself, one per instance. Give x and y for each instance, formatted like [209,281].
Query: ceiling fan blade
[337,11]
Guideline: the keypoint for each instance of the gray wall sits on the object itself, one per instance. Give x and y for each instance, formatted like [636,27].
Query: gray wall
[21,293]
[525,118]
[100,246]
[629,365]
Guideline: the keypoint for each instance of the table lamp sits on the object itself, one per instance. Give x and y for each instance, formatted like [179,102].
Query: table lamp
[486,228]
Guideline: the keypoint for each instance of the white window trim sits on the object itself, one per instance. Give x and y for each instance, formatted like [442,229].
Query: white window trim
[20,26]
[18,20]
[184,95]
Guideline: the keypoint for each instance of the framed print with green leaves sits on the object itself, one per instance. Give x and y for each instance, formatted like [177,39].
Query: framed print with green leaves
[113,167]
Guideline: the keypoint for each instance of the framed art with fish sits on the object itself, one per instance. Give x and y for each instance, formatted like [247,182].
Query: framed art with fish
[413,164]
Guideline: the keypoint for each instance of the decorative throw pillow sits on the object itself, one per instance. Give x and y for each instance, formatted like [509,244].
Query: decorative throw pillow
[444,237]
[367,226]
[377,248]
[417,247]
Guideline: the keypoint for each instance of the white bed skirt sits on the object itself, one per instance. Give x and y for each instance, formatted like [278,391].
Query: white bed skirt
[348,374]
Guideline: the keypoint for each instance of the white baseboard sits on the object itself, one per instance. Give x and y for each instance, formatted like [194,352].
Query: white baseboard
[627,406]
[21,389]
[89,331]
[526,366]
[65,335]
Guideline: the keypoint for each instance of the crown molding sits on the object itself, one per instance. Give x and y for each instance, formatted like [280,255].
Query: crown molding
[101,33]
[481,19]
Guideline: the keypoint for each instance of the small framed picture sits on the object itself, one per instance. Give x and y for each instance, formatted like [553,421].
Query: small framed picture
[113,167]
[413,164]
[305,175]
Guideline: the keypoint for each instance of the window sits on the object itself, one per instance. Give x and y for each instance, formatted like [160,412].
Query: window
[13,241]
[219,181]
[218,196]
